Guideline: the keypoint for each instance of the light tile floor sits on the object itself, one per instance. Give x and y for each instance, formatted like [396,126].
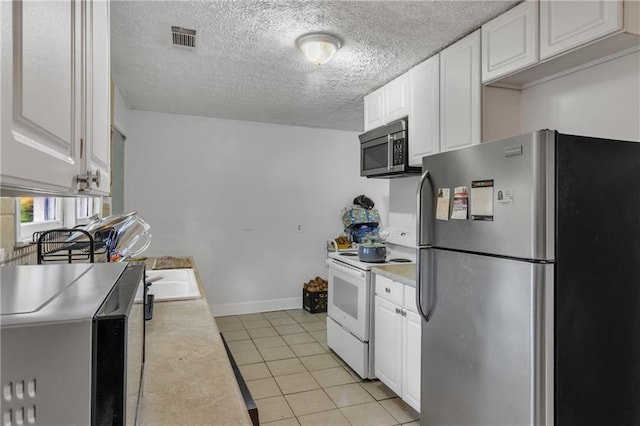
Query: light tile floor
[296,379]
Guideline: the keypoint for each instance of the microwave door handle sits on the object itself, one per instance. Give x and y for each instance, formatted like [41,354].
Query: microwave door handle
[389,152]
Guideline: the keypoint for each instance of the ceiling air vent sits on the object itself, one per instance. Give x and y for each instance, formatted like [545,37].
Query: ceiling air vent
[183,37]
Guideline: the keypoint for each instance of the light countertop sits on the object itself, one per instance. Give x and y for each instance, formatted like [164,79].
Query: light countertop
[187,375]
[405,273]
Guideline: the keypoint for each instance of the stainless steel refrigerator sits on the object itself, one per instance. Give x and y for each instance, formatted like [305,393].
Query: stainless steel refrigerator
[529,282]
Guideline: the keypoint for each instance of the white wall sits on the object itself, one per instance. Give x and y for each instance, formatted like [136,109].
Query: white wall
[403,202]
[601,101]
[500,113]
[232,194]
[120,111]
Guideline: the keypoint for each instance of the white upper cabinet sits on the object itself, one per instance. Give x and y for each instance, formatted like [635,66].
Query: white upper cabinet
[570,35]
[374,109]
[55,111]
[98,106]
[396,98]
[424,110]
[41,75]
[387,104]
[568,24]
[460,93]
[510,41]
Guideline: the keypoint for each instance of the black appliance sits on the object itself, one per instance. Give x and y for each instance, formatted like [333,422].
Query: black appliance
[72,343]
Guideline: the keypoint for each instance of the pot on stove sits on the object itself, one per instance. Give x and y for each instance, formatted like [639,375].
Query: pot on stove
[372,252]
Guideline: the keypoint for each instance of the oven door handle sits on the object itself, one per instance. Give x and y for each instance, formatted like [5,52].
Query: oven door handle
[345,269]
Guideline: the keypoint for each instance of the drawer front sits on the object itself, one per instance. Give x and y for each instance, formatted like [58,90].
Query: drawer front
[410,299]
[390,290]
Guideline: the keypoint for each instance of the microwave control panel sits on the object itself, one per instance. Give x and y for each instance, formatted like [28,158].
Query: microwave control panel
[398,152]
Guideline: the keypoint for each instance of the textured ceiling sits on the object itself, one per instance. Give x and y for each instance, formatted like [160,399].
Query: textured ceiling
[246,65]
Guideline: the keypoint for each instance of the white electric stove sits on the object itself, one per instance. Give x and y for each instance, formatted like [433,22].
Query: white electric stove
[351,293]
[400,245]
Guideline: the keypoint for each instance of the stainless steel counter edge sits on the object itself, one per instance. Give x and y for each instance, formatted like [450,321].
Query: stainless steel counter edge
[405,274]
[188,378]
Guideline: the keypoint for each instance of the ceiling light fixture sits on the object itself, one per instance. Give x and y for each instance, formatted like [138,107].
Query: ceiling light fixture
[319,48]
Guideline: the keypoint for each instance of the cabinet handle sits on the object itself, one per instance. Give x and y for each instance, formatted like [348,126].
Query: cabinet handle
[397,310]
[84,181]
[404,313]
[387,290]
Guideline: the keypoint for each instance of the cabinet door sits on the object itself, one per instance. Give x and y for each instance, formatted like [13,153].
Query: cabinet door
[98,96]
[41,96]
[396,98]
[388,344]
[510,41]
[411,335]
[424,111]
[390,290]
[568,24]
[373,109]
[460,92]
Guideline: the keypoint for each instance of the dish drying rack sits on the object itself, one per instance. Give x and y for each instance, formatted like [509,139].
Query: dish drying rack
[56,245]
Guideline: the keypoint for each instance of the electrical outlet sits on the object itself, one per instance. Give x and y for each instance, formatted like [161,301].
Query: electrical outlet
[299,230]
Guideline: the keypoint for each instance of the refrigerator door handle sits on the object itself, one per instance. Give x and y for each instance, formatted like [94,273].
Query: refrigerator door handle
[426,283]
[419,219]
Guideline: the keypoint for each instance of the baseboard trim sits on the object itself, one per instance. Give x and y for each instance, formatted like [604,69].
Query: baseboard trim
[240,308]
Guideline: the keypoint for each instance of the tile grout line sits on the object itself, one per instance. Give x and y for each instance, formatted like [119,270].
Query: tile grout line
[307,370]
[321,388]
[274,377]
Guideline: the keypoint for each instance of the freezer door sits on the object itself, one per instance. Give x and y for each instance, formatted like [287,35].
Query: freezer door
[510,184]
[487,348]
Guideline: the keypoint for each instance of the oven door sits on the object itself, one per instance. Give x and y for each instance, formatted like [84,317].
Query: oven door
[349,293]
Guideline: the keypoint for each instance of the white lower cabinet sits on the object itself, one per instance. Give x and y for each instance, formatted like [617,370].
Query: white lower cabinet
[388,344]
[411,338]
[397,340]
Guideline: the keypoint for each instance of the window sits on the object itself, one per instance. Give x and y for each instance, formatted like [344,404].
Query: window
[37,214]
[85,208]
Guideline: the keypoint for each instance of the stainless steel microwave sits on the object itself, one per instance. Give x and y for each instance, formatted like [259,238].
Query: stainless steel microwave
[72,344]
[384,151]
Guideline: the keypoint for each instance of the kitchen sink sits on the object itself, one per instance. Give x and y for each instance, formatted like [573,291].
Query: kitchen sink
[171,284]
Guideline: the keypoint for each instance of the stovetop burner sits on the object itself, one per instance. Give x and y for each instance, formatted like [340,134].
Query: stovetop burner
[349,254]
[401,260]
